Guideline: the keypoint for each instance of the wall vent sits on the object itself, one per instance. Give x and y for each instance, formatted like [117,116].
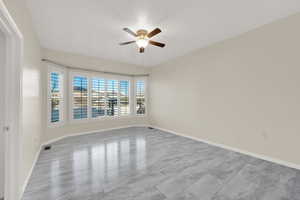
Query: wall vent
[47,147]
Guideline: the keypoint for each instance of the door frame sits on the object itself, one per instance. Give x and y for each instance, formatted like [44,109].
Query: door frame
[13,103]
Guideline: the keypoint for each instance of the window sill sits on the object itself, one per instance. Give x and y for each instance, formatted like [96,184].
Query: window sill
[93,120]
[56,124]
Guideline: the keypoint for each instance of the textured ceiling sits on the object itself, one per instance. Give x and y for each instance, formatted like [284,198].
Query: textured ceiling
[94,27]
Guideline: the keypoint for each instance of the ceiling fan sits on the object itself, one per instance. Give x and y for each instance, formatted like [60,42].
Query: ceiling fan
[143,38]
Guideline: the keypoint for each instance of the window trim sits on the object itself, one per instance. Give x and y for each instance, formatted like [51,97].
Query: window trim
[53,68]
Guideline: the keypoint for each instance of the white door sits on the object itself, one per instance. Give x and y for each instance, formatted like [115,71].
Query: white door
[2,138]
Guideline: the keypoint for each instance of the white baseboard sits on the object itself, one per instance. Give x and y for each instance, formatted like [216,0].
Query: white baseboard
[259,156]
[30,171]
[91,132]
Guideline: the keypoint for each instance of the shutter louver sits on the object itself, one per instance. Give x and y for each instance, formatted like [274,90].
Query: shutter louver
[140,97]
[124,98]
[112,97]
[55,97]
[98,97]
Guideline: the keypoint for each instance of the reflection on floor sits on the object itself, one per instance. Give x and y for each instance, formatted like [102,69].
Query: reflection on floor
[143,164]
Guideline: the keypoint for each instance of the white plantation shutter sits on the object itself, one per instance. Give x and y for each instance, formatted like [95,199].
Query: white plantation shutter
[140,97]
[55,102]
[98,97]
[124,98]
[112,97]
[80,97]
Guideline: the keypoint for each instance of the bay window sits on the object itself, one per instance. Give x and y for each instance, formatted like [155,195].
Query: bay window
[94,96]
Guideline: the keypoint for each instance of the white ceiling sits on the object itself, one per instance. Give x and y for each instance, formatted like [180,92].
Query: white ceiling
[94,27]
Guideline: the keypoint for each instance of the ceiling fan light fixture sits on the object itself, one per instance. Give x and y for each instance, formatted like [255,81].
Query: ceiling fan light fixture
[142,42]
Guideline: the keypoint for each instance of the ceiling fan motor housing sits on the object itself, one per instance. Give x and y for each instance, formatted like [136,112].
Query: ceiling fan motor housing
[142,32]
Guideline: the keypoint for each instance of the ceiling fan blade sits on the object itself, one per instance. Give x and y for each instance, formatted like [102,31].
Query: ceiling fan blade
[157,44]
[142,50]
[153,33]
[130,32]
[124,43]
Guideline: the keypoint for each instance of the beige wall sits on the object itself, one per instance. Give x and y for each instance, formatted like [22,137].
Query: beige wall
[85,62]
[31,127]
[2,138]
[242,92]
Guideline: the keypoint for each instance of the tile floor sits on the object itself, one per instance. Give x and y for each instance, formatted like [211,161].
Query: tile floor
[144,164]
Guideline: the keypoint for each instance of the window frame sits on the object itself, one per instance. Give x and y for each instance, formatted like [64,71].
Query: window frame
[62,114]
[145,79]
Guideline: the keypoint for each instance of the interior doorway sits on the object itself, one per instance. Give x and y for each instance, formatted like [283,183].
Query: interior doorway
[11,48]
